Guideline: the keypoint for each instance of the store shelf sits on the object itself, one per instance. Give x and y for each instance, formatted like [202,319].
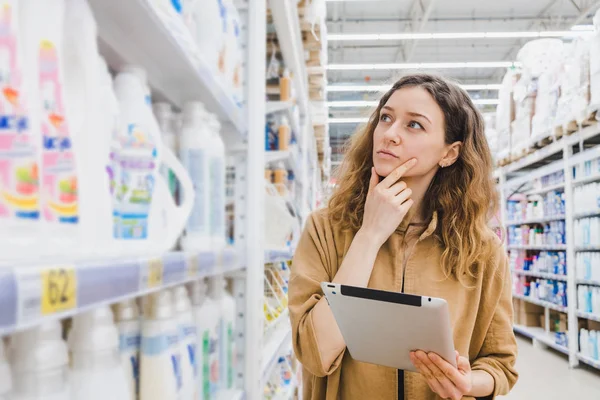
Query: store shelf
[544,275]
[231,395]
[277,341]
[288,394]
[289,157]
[541,303]
[287,25]
[536,220]
[587,248]
[549,188]
[589,361]
[273,256]
[586,214]
[587,282]
[590,316]
[134,32]
[288,108]
[28,293]
[548,247]
[539,334]
[586,179]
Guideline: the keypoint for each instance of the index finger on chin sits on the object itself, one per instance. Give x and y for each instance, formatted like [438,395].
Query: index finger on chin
[398,173]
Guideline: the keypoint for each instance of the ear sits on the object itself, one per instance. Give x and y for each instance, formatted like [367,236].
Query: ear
[451,155]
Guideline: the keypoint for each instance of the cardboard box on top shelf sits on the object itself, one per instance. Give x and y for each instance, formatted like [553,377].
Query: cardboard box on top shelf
[531,308]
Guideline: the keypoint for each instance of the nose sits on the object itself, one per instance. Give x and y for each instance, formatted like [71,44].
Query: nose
[392,134]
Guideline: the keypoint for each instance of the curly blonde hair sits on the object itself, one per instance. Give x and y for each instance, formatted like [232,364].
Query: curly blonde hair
[463,195]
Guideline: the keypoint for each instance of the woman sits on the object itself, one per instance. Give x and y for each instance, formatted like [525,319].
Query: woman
[410,215]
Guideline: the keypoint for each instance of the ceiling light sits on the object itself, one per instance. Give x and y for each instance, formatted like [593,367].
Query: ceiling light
[366,103]
[385,88]
[348,120]
[446,65]
[574,32]
[584,28]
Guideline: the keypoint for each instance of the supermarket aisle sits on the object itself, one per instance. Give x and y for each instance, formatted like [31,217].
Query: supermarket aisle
[545,375]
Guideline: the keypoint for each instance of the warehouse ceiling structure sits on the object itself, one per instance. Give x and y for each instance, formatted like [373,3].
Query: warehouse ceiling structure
[373,42]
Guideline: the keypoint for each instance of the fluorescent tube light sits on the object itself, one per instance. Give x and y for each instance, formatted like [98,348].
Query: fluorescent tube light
[436,65]
[365,103]
[583,28]
[333,37]
[348,120]
[385,88]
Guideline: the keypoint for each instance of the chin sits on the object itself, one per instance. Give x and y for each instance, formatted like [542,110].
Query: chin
[385,170]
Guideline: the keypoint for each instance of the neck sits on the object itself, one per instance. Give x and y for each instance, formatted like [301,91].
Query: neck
[419,186]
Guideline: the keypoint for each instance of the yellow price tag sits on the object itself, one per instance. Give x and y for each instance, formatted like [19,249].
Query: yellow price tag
[155,273]
[59,290]
[193,266]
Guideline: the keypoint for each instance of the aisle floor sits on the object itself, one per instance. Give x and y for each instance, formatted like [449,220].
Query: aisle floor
[545,375]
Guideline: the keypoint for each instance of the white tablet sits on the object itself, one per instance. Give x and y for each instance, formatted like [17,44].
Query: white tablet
[382,327]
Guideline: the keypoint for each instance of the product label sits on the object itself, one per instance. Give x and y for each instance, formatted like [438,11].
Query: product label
[217,178]
[19,176]
[137,165]
[206,375]
[230,355]
[211,339]
[59,178]
[194,161]
[113,169]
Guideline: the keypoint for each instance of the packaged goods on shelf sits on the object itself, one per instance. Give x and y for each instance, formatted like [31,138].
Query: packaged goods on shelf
[552,233]
[551,204]
[589,343]
[595,66]
[588,299]
[505,114]
[574,83]
[590,168]
[551,262]
[586,198]
[587,232]
[548,290]
[588,266]
[524,95]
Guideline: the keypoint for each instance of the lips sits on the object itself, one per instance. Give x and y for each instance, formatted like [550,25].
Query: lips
[387,153]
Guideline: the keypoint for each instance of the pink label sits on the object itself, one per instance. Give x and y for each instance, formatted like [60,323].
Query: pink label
[59,178]
[19,176]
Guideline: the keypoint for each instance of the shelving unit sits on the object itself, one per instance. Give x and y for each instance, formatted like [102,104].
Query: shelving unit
[561,155]
[536,220]
[278,341]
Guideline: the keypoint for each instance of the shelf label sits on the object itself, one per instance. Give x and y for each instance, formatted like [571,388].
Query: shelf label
[155,273]
[59,289]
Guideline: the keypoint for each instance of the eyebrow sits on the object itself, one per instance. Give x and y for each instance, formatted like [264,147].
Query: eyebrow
[414,114]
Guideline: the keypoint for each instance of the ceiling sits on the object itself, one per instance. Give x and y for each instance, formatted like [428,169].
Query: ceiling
[428,16]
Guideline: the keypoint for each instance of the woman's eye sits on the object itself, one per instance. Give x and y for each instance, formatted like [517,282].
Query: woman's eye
[385,118]
[415,125]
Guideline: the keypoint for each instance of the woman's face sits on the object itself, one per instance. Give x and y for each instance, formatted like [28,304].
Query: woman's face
[411,125]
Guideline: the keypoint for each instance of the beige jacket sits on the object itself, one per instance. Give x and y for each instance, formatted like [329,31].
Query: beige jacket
[481,317]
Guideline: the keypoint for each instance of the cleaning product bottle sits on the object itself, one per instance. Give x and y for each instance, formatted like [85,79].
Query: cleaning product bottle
[43,23]
[211,25]
[187,343]
[5,374]
[208,322]
[19,142]
[227,351]
[234,60]
[128,324]
[284,134]
[97,372]
[150,221]
[84,88]
[195,149]
[160,358]
[280,178]
[39,358]
[285,86]
[166,122]
[217,184]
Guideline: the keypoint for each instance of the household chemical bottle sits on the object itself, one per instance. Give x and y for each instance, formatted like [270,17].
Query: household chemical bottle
[194,151]
[43,35]
[284,134]
[227,352]
[208,322]
[285,86]
[234,59]
[19,141]
[128,324]
[149,219]
[211,27]
[160,358]
[218,176]
[96,369]
[5,374]
[84,88]
[280,178]
[187,343]
[39,358]
[166,122]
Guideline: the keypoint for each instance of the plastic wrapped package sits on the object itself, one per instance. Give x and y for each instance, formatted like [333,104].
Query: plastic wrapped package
[524,95]
[546,105]
[595,66]
[505,114]
[490,132]
[540,56]
[574,83]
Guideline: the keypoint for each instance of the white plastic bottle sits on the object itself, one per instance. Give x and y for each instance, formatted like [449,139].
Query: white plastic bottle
[97,372]
[187,343]
[227,351]
[208,322]
[218,185]
[128,324]
[160,358]
[5,374]
[19,159]
[211,27]
[234,59]
[194,151]
[166,122]
[39,359]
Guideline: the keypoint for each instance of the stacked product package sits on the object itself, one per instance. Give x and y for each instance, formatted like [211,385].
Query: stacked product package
[505,114]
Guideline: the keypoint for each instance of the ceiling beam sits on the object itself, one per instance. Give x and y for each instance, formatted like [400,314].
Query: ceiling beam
[419,15]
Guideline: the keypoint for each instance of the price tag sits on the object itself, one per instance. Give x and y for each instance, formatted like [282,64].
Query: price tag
[155,273]
[59,289]
[193,269]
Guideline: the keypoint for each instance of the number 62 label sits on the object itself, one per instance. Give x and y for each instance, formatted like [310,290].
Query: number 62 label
[59,289]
